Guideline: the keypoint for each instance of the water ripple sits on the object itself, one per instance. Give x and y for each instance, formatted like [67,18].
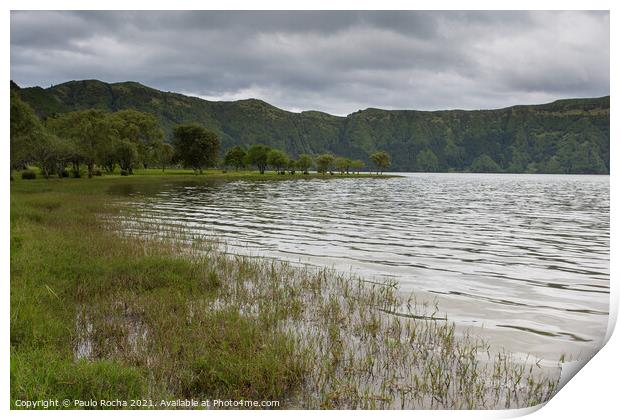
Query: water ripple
[534,248]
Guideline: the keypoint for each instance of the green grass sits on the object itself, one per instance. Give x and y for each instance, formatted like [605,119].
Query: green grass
[70,274]
[96,314]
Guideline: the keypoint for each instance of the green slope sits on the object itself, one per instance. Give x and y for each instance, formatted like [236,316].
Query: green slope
[568,136]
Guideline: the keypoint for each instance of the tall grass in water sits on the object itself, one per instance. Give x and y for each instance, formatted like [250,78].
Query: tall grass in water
[98,315]
[361,344]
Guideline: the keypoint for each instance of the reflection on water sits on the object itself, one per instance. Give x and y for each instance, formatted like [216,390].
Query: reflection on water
[526,256]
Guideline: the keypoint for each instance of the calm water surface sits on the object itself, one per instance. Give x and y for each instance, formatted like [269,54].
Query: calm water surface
[525,256]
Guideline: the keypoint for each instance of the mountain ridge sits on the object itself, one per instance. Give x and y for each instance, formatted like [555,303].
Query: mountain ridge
[571,133]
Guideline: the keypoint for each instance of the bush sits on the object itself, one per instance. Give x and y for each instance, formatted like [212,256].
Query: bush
[28,174]
[97,172]
[76,173]
[124,172]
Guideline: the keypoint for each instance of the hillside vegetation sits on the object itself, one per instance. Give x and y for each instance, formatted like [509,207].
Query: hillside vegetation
[566,136]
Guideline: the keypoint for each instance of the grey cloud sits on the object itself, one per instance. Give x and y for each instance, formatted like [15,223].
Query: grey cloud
[336,62]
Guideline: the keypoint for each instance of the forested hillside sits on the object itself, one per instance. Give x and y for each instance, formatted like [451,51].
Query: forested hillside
[566,136]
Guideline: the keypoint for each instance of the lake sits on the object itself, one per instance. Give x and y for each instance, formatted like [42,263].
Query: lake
[526,257]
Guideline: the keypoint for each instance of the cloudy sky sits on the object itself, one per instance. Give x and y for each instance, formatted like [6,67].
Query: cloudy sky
[336,62]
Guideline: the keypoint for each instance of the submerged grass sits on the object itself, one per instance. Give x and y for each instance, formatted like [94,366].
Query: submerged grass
[96,314]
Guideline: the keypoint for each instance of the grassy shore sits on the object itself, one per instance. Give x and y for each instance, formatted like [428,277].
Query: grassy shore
[96,314]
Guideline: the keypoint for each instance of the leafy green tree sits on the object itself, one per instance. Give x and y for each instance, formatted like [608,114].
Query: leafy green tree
[139,128]
[342,164]
[235,156]
[277,159]
[31,142]
[108,156]
[381,160]
[25,130]
[127,152]
[164,155]
[484,163]
[357,165]
[195,146]
[49,153]
[292,166]
[304,163]
[257,155]
[427,161]
[324,163]
[89,131]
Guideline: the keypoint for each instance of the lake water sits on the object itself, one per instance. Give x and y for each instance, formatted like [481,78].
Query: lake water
[524,256]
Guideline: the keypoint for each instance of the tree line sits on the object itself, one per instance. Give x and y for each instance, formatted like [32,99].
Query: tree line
[262,157]
[102,141]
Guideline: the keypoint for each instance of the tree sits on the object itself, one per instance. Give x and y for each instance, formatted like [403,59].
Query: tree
[304,163]
[195,146]
[277,159]
[164,155]
[32,142]
[25,130]
[139,128]
[484,163]
[357,165]
[292,166]
[342,164]
[89,132]
[235,156]
[127,152]
[257,155]
[324,163]
[49,153]
[108,155]
[381,160]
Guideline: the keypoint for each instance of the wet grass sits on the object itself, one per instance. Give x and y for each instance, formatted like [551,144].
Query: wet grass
[96,314]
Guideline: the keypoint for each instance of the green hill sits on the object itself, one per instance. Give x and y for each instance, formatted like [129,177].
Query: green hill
[565,136]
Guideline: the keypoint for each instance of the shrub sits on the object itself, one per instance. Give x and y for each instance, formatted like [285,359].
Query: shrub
[124,172]
[97,172]
[76,173]
[28,174]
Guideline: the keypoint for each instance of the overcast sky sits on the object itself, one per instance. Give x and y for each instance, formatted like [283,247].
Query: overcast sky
[337,62]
